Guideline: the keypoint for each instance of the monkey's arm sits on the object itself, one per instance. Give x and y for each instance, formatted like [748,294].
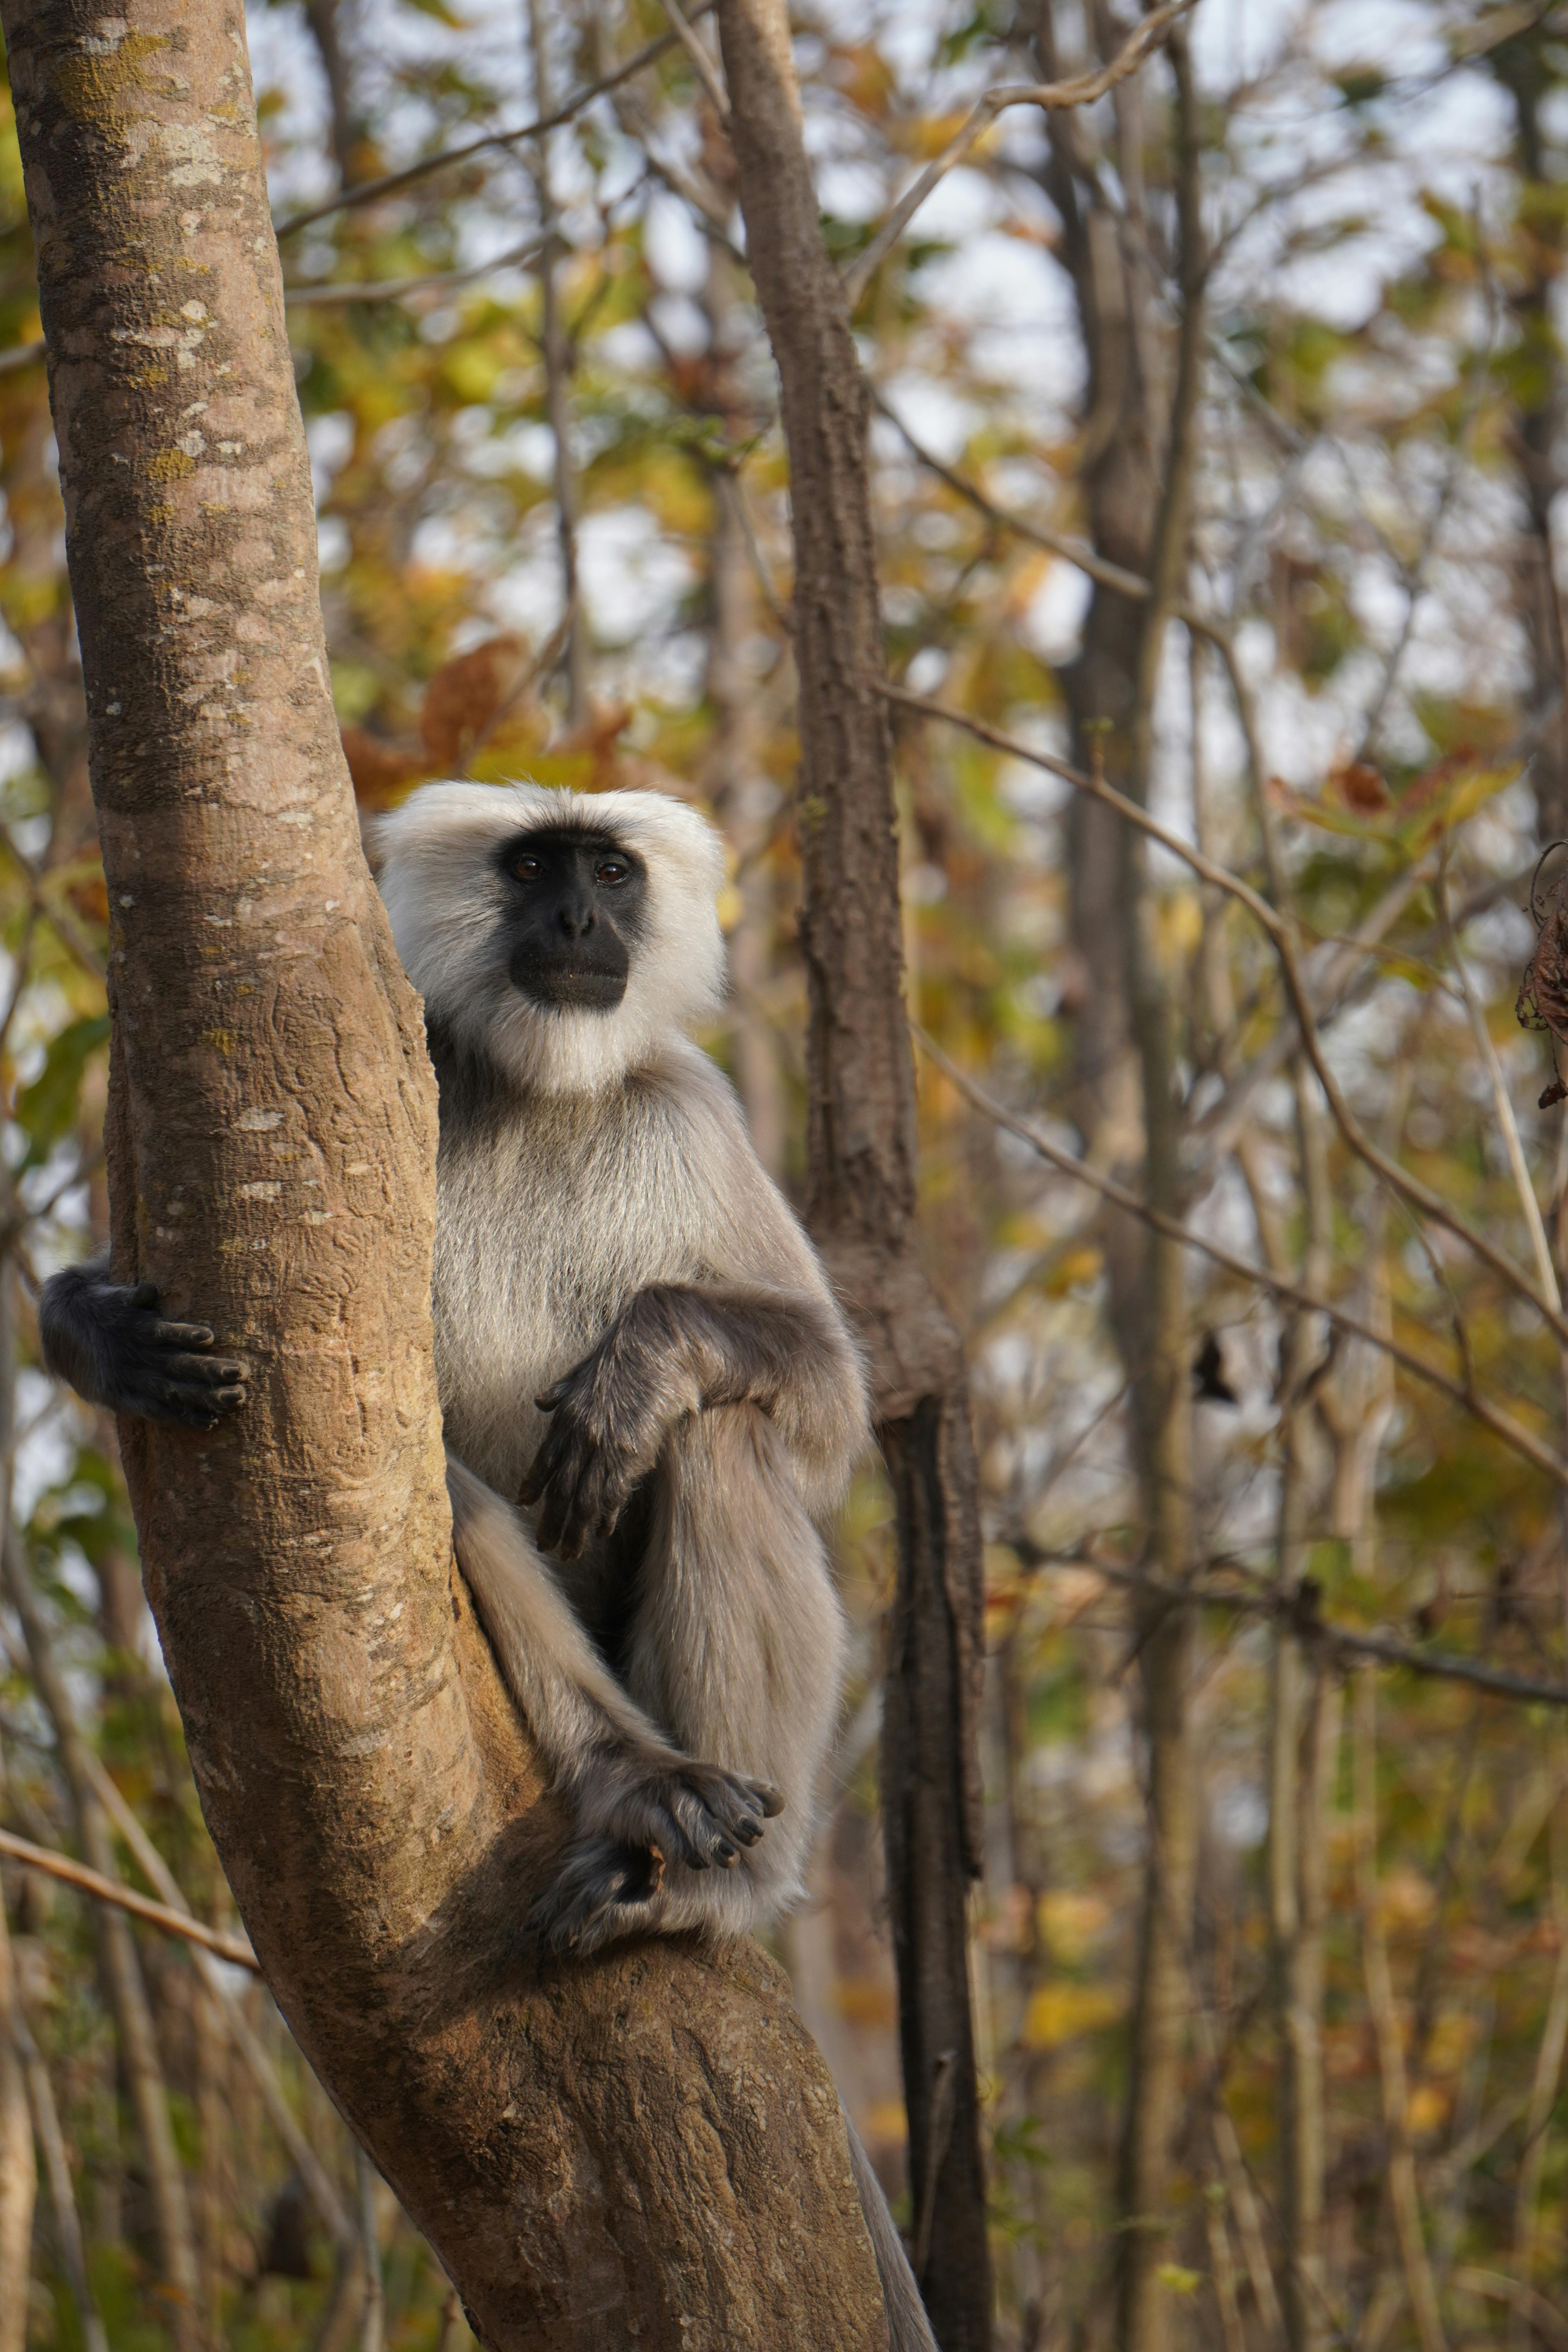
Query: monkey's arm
[108,1341]
[674,1349]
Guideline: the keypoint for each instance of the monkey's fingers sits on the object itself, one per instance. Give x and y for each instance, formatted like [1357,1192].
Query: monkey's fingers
[219,1370]
[180,1335]
[182,1404]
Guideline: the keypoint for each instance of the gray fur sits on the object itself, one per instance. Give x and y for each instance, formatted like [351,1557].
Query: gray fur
[607,1240]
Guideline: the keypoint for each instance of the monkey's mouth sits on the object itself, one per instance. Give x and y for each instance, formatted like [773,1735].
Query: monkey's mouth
[582,986]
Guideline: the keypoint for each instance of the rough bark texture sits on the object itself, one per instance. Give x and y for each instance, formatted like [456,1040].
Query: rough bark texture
[646,2149]
[861,1191]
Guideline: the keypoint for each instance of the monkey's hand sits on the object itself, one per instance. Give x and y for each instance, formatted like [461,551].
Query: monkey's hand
[109,1342]
[611,1415]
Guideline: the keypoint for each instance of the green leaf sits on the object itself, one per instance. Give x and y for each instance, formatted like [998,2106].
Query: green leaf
[47,1109]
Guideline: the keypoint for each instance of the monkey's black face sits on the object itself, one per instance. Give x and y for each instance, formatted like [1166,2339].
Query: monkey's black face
[578,905]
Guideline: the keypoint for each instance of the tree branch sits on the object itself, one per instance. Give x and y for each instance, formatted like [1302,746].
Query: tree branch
[1050,97]
[1501,1424]
[1420,1195]
[233,1948]
[392,183]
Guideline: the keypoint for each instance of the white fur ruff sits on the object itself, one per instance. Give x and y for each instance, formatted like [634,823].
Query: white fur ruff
[445,892]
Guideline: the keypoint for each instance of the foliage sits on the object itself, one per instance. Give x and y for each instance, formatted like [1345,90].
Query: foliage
[1378,455]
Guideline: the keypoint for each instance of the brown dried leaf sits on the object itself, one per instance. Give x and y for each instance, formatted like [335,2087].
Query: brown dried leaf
[466,696]
[1361,786]
[1543,1000]
[380,770]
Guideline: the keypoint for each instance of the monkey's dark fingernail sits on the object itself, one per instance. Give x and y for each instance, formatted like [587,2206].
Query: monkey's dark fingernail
[727,1855]
[748,1830]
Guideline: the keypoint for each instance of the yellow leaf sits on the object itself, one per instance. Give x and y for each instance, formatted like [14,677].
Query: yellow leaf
[1428,2110]
[1059,2013]
[1071,1924]
[1179,2280]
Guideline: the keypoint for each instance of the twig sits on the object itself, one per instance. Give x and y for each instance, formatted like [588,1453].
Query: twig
[392,290]
[1543,2089]
[52,2147]
[558,365]
[707,72]
[1300,1608]
[1512,1432]
[1402,2189]
[232,1948]
[373,2311]
[390,183]
[1420,1195]
[301,2155]
[1051,97]
[1541,2314]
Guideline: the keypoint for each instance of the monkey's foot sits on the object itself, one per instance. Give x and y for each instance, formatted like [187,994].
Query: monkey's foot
[693,1813]
[602,1890]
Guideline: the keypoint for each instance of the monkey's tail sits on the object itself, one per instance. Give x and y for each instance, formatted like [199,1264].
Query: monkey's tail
[908,2329]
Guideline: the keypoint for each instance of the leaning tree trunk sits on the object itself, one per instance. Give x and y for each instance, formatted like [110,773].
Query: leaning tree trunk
[861,1205]
[645,2147]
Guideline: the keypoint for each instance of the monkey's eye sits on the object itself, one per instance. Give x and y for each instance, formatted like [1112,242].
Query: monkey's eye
[611,869]
[526,866]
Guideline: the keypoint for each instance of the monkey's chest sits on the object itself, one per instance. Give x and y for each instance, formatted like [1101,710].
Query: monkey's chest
[541,1240]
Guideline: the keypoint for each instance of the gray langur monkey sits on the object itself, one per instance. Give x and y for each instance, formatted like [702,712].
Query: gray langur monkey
[634,1340]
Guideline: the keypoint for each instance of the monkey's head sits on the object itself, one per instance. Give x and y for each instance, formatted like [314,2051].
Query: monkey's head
[562,936]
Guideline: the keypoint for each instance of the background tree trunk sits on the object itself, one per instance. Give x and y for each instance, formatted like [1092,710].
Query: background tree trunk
[1139,429]
[861,1184]
[649,2142]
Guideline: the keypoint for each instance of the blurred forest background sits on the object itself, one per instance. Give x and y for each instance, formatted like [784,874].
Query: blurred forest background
[1266,341]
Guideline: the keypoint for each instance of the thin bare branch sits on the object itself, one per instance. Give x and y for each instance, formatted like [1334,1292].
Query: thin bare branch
[1343,1642]
[233,1948]
[702,64]
[1051,97]
[1512,1432]
[392,290]
[1419,1195]
[302,2154]
[392,183]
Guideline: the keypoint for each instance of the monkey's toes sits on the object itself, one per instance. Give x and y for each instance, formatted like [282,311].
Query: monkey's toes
[602,1888]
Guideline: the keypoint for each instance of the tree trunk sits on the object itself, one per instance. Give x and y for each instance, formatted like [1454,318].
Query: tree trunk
[1139,439]
[861,1186]
[645,2145]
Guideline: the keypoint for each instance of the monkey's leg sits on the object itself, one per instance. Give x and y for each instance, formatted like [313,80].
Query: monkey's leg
[108,1341]
[737,1648]
[639,1801]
